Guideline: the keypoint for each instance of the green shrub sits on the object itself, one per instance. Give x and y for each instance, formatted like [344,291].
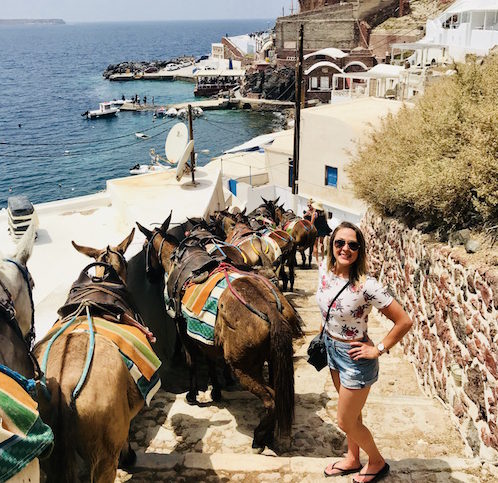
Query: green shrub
[438,161]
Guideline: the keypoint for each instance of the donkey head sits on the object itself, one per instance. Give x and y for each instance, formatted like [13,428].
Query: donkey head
[158,247]
[113,256]
[16,278]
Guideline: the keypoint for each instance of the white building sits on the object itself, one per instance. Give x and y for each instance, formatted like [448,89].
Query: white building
[466,27]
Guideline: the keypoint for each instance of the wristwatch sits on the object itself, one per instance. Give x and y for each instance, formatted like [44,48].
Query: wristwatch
[381,348]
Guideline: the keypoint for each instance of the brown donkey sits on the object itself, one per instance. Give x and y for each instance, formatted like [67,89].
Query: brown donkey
[92,425]
[249,330]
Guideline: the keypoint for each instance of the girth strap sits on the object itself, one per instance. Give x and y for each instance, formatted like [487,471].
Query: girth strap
[225,268]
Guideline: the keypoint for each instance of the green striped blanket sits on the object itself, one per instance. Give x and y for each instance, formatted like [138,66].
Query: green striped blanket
[201,326]
[23,435]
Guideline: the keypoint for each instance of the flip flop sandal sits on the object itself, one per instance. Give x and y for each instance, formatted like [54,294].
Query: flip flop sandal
[376,476]
[342,471]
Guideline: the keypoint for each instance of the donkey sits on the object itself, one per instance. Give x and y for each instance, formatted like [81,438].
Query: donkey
[302,231]
[16,335]
[249,331]
[91,416]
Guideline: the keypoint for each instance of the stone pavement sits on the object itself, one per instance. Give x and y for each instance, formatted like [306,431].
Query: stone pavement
[212,442]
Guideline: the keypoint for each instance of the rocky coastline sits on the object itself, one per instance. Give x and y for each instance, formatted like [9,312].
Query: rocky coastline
[272,83]
[144,66]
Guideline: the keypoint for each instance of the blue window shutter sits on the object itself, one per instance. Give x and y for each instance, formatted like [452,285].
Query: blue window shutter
[331,176]
[232,186]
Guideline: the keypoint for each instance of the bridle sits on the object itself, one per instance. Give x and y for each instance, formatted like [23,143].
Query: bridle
[8,307]
[149,247]
[30,336]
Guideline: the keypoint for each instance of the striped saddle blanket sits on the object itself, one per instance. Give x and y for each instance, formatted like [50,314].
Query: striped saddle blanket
[200,306]
[272,239]
[290,226]
[23,435]
[133,346]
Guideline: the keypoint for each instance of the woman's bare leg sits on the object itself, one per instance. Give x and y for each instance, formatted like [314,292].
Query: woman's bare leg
[351,402]
[352,458]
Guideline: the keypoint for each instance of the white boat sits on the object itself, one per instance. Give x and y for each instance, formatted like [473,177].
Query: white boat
[141,135]
[171,112]
[106,109]
[120,102]
[155,165]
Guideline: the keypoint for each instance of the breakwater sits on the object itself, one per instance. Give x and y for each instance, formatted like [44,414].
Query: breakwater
[143,66]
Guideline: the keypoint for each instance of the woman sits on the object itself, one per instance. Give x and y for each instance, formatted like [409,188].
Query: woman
[322,228]
[352,356]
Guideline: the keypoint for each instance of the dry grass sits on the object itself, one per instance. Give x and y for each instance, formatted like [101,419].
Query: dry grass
[438,162]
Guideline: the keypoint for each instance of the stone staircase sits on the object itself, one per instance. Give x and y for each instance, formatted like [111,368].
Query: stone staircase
[212,441]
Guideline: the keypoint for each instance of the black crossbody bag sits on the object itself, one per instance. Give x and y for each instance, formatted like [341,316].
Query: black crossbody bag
[317,353]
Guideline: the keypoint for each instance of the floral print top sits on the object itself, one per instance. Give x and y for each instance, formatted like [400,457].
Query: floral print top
[349,313]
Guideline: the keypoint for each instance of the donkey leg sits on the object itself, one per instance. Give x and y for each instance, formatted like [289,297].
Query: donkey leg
[254,382]
[291,267]
[193,387]
[127,457]
[216,391]
[106,469]
[283,275]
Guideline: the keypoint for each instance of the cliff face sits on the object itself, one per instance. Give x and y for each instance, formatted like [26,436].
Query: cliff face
[307,5]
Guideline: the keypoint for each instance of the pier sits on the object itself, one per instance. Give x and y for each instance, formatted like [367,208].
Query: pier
[216,104]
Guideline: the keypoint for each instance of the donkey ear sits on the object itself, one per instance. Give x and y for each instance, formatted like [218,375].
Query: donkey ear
[89,252]
[276,201]
[25,245]
[264,201]
[243,212]
[122,247]
[148,234]
[165,225]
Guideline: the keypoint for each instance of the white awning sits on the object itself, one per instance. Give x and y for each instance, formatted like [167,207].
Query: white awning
[329,52]
[323,63]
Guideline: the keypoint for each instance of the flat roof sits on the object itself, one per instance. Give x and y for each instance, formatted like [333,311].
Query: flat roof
[101,219]
[417,45]
[220,73]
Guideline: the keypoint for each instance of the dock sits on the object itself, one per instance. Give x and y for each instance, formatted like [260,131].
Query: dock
[216,104]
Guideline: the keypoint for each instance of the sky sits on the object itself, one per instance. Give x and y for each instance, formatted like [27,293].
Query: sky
[142,10]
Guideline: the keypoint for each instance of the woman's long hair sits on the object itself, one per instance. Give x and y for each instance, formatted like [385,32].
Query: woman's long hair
[359,267]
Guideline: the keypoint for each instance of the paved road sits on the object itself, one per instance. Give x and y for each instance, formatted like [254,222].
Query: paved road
[178,442]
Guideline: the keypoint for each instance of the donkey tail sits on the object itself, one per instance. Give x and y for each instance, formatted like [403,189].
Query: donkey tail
[281,360]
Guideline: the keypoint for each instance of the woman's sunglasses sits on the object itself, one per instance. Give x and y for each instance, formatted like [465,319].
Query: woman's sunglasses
[353,246]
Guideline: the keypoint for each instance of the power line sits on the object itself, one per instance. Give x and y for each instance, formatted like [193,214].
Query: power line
[81,153]
[95,141]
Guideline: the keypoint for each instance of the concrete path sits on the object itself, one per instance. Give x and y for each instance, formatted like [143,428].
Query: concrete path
[178,442]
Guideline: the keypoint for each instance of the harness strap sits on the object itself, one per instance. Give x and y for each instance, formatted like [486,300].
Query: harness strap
[225,267]
[235,246]
[88,361]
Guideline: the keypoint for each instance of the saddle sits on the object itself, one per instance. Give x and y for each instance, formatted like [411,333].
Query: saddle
[107,292]
[190,264]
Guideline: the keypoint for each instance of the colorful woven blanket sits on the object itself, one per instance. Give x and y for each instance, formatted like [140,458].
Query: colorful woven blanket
[133,346]
[23,435]
[200,306]
[272,240]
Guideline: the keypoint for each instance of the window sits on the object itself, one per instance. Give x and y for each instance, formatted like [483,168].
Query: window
[330,176]
[290,172]
[314,82]
[324,83]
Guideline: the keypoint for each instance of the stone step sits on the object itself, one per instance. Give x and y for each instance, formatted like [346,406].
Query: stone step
[303,468]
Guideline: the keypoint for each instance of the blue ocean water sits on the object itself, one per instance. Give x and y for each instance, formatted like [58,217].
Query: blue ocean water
[49,75]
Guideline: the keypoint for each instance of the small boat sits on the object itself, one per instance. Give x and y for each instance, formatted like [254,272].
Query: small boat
[155,165]
[172,112]
[106,109]
[141,135]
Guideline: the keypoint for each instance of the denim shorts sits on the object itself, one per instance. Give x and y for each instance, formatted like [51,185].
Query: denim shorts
[352,374]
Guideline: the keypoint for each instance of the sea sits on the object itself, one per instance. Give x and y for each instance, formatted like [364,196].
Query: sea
[51,74]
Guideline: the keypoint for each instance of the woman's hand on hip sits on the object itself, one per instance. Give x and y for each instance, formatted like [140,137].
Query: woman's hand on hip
[363,350]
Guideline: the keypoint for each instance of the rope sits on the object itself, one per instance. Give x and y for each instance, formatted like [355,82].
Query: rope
[88,361]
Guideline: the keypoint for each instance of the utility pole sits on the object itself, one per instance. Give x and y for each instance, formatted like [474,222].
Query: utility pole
[191,135]
[297,117]
[292,7]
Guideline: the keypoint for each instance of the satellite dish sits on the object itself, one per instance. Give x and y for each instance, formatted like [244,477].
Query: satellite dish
[176,142]
[180,169]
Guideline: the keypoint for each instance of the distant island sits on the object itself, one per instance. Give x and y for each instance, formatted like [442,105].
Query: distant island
[24,21]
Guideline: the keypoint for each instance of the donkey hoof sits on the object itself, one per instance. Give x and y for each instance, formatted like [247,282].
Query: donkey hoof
[216,395]
[191,399]
[127,459]
[257,448]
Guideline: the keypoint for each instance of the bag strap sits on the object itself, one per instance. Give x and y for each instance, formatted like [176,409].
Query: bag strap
[332,303]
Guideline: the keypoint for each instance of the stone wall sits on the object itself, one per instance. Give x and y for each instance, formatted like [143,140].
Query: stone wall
[454,308]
